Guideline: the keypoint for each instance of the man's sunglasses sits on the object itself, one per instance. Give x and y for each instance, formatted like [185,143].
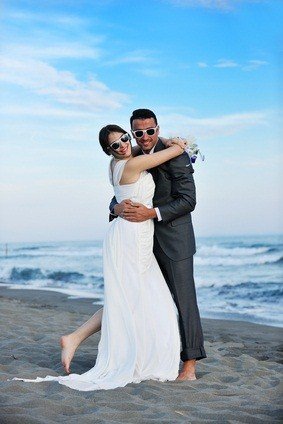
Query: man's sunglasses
[118,143]
[141,133]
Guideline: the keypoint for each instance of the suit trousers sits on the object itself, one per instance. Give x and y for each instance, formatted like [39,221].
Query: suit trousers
[180,280]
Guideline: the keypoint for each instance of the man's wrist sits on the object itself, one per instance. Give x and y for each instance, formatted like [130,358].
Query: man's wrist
[152,213]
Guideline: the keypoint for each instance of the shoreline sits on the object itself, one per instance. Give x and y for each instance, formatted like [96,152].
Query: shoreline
[237,382]
[214,329]
[98,302]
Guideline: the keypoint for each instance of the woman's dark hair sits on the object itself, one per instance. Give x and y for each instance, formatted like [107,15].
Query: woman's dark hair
[142,114]
[104,133]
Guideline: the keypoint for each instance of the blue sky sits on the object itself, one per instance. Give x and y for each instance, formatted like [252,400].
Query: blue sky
[208,68]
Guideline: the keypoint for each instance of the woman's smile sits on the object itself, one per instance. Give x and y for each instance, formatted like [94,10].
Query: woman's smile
[122,151]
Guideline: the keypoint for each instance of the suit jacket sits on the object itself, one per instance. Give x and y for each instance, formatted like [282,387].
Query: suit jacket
[175,196]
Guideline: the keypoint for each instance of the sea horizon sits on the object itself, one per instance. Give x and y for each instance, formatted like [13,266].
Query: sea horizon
[268,234]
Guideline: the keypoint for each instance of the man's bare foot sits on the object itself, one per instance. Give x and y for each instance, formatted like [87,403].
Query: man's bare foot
[188,371]
[69,345]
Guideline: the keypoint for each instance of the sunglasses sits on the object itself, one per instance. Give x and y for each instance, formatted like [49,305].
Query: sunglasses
[118,143]
[149,131]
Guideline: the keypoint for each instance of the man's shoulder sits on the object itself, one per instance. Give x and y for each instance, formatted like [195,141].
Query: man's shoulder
[177,162]
[159,146]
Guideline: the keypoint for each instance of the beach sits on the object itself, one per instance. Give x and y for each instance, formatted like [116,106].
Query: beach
[238,382]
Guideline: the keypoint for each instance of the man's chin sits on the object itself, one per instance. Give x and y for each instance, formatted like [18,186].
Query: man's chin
[146,147]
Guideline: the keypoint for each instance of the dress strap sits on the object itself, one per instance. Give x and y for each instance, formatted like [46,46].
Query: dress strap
[115,171]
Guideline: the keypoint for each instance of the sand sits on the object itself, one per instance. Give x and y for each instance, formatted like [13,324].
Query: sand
[239,381]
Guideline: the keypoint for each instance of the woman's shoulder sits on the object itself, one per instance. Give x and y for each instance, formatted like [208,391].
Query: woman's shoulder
[118,164]
[116,168]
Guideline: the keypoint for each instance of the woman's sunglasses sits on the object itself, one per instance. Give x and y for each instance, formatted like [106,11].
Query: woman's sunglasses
[141,133]
[118,143]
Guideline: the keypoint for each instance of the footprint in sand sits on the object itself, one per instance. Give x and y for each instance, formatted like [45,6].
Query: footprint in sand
[229,379]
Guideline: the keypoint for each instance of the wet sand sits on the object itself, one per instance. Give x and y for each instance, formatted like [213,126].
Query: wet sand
[239,381]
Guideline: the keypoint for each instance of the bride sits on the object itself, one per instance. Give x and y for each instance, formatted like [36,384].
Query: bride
[139,329]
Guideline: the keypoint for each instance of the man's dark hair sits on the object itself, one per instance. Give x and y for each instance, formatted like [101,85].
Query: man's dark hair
[142,114]
[104,133]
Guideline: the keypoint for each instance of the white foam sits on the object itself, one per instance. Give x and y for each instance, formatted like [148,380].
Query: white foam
[73,293]
[236,261]
[235,251]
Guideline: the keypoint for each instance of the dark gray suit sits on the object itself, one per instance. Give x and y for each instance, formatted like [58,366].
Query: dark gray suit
[174,245]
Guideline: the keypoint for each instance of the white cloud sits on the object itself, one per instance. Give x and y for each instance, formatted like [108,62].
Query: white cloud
[68,20]
[229,63]
[224,125]
[224,5]
[54,51]
[202,65]
[225,63]
[62,86]
[136,56]
[42,110]
[254,64]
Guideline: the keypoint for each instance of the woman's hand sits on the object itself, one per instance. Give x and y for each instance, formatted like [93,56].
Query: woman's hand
[168,142]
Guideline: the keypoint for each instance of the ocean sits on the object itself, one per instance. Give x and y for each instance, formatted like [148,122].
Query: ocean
[237,278]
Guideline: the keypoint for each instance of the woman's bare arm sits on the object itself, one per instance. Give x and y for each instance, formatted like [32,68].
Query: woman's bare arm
[141,163]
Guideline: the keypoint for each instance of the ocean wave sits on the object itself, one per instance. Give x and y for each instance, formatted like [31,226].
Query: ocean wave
[269,292]
[249,300]
[41,254]
[65,276]
[237,261]
[19,249]
[215,250]
[28,274]
[271,246]
[22,255]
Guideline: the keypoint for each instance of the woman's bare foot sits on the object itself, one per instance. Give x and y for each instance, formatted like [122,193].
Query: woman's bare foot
[188,372]
[69,345]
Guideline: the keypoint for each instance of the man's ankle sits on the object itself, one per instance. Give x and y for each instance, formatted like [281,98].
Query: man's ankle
[190,363]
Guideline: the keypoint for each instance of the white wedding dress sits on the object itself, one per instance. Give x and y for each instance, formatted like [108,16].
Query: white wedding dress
[139,335]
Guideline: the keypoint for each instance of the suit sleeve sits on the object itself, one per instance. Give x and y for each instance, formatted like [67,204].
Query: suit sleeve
[111,207]
[180,172]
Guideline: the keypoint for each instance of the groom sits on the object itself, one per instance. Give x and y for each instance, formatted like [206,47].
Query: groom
[174,242]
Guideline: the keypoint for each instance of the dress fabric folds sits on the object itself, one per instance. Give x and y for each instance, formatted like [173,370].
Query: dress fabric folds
[139,335]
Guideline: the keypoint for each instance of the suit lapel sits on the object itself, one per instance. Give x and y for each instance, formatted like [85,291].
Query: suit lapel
[158,147]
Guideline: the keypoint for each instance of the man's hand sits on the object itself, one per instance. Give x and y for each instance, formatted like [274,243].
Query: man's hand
[168,142]
[120,208]
[134,212]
